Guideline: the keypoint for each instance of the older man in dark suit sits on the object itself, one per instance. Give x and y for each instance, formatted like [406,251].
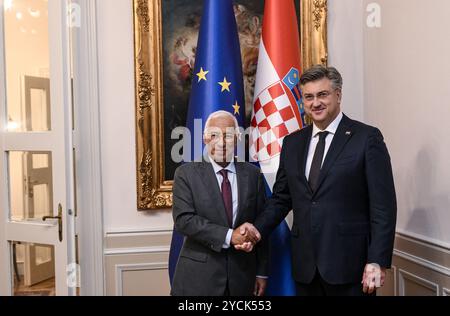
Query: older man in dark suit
[210,201]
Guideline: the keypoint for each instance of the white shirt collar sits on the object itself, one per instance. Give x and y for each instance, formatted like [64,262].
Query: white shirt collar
[331,128]
[231,166]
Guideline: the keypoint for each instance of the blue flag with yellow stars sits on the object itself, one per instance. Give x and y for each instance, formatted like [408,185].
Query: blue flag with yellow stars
[217,82]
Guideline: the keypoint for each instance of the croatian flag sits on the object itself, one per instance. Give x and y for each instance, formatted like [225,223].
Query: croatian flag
[277,112]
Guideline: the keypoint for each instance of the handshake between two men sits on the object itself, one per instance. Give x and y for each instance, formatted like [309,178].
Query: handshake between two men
[245,237]
[336,177]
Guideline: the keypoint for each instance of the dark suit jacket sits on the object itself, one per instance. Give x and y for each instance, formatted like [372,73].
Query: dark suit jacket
[204,268]
[350,219]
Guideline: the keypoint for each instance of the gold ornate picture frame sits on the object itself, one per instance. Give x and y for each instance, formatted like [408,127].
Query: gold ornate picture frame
[154,188]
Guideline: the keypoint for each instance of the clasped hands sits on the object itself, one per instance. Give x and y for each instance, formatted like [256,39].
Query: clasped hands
[245,237]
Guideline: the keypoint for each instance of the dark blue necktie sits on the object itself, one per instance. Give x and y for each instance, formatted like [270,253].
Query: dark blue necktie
[316,165]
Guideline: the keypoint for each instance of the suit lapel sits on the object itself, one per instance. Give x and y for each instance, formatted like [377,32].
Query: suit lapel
[340,139]
[242,184]
[209,178]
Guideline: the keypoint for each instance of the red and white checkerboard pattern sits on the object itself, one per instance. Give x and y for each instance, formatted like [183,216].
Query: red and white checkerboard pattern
[273,119]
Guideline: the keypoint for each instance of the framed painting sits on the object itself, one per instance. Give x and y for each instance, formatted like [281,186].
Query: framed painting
[165,36]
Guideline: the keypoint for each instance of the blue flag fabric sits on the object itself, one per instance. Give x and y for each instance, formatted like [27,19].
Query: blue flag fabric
[280,281]
[217,83]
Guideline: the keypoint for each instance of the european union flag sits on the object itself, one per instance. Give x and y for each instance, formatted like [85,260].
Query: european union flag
[217,83]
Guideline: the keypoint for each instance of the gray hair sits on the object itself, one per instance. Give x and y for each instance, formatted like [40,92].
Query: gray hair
[318,72]
[221,113]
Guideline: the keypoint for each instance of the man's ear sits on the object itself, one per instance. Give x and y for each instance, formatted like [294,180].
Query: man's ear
[339,93]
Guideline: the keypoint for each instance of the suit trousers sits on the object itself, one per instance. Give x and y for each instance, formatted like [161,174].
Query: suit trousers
[319,287]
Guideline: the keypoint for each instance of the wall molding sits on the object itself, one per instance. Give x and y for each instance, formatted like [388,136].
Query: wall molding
[137,242]
[134,232]
[140,247]
[419,261]
[427,255]
[395,272]
[136,250]
[423,262]
[424,240]
[121,268]
[405,275]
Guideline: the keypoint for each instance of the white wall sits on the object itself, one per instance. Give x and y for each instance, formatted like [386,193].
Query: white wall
[392,76]
[345,51]
[115,27]
[116,71]
[396,78]
[407,95]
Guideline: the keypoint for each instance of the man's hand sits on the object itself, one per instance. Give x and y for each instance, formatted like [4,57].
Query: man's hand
[373,277]
[250,232]
[260,286]
[247,247]
[245,233]
[245,237]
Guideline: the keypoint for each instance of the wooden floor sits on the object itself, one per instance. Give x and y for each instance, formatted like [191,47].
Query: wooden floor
[45,288]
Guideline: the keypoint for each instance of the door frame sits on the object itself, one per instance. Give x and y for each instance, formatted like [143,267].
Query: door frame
[58,140]
[87,149]
[4,262]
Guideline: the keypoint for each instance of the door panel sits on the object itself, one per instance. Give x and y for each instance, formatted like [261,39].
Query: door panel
[33,269]
[36,178]
[30,185]
[27,60]
[37,104]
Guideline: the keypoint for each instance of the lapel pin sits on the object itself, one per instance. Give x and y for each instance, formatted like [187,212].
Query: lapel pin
[348,133]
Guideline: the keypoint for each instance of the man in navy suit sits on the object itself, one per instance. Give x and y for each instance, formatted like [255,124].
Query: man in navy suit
[336,176]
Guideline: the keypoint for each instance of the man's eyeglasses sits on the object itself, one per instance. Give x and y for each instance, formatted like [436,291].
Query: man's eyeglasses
[322,95]
[215,136]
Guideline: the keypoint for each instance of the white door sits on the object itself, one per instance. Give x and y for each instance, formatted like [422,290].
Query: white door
[37,224]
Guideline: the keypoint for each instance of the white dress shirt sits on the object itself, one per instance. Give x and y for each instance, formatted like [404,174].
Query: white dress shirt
[231,168]
[331,129]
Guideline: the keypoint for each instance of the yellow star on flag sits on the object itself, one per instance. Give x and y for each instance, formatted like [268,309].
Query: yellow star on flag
[202,74]
[225,85]
[236,108]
